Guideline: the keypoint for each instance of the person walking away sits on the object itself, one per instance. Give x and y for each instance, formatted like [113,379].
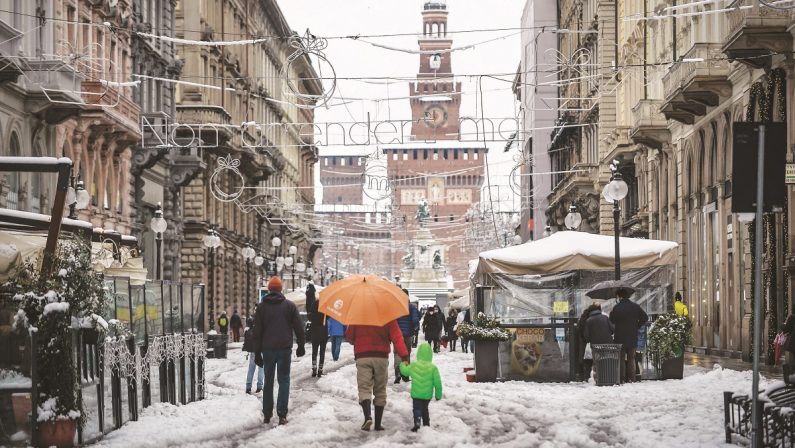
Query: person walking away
[223,323]
[236,323]
[426,383]
[310,296]
[318,332]
[336,332]
[248,347]
[407,324]
[449,328]
[627,317]
[371,351]
[679,306]
[459,319]
[276,321]
[432,328]
[585,361]
[598,330]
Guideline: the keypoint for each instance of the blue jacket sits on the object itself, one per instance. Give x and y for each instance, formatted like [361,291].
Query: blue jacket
[335,328]
[410,322]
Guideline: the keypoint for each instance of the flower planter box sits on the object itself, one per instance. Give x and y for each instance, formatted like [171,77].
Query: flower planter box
[60,433]
[672,368]
[486,361]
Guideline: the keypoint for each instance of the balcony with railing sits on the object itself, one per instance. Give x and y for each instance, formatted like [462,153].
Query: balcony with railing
[651,126]
[700,79]
[208,122]
[757,33]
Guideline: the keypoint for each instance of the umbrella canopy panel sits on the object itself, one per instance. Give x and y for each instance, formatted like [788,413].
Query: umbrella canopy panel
[364,300]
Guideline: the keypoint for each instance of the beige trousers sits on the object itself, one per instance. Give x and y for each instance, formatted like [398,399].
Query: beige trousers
[371,377]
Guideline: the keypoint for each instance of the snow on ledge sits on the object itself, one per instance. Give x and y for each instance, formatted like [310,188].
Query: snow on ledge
[47,161]
[19,214]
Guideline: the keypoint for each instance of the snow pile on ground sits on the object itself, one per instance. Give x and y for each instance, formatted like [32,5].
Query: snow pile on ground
[325,413]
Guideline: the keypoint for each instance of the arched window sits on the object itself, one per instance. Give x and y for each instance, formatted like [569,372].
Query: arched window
[713,156]
[12,197]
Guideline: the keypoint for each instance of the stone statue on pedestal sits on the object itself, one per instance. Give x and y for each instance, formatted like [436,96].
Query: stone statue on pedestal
[437,259]
[423,212]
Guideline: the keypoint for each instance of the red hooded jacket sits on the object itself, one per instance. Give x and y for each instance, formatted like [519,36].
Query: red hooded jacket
[373,342]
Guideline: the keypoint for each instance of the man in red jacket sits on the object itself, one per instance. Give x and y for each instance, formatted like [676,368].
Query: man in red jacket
[371,350]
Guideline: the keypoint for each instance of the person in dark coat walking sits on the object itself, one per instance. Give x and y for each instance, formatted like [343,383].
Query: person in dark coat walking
[598,328]
[586,362]
[628,317]
[449,328]
[408,324]
[248,347]
[318,331]
[236,323]
[311,296]
[432,327]
[276,321]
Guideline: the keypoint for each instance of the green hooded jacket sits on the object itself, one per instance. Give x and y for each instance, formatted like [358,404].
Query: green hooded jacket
[425,378]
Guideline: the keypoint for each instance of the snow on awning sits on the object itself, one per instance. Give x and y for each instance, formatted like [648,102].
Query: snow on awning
[567,251]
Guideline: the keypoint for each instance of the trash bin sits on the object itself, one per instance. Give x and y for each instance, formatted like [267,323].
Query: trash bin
[607,363]
[216,345]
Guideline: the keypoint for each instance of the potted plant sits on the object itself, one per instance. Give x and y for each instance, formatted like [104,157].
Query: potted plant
[51,305]
[487,334]
[667,338]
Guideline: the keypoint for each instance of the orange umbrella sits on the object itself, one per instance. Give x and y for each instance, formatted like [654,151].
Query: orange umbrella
[363,300]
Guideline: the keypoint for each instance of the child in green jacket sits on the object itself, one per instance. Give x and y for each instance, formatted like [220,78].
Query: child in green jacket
[425,383]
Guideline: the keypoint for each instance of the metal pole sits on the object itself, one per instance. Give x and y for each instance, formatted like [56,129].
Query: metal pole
[158,262]
[211,292]
[248,287]
[616,217]
[756,440]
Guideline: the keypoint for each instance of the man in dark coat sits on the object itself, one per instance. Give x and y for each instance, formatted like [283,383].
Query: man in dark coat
[598,328]
[276,321]
[408,324]
[236,323]
[628,317]
[432,325]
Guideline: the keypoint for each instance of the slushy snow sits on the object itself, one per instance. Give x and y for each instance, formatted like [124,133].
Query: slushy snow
[324,412]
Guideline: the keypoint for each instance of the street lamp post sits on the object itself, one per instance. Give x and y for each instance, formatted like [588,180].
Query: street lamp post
[615,191]
[259,260]
[211,242]
[291,262]
[158,225]
[248,255]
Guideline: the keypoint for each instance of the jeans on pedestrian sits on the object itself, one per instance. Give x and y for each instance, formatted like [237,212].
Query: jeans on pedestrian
[420,408]
[336,345]
[252,365]
[276,361]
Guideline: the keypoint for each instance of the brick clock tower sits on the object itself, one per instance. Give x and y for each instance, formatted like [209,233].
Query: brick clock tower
[435,165]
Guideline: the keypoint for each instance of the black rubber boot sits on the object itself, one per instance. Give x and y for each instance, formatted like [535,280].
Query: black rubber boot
[397,379]
[417,423]
[368,420]
[320,371]
[314,372]
[379,414]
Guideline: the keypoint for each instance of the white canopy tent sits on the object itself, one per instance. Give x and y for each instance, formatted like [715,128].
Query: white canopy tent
[567,251]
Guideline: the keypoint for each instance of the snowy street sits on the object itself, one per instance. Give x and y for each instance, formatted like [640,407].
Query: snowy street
[325,413]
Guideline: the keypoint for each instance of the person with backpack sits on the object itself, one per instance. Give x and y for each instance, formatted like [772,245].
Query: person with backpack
[275,322]
[223,323]
[236,323]
[426,384]
[248,347]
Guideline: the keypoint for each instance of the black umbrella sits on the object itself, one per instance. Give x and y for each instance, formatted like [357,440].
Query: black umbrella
[609,289]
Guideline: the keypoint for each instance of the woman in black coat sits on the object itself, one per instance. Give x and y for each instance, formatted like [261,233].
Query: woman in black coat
[432,325]
[449,328]
[318,333]
[587,364]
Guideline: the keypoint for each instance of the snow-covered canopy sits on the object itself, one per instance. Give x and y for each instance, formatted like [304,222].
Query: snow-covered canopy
[568,251]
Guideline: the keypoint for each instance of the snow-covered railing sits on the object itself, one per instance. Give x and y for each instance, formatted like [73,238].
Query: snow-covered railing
[776,409]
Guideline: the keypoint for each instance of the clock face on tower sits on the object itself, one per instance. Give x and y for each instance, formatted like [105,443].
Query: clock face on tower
[435,116]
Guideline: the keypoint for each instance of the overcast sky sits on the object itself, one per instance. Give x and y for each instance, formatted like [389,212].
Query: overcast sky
[352,58]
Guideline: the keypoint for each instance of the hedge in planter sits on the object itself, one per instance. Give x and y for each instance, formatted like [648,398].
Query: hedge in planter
[49,305]
[667,338]
[487,334]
